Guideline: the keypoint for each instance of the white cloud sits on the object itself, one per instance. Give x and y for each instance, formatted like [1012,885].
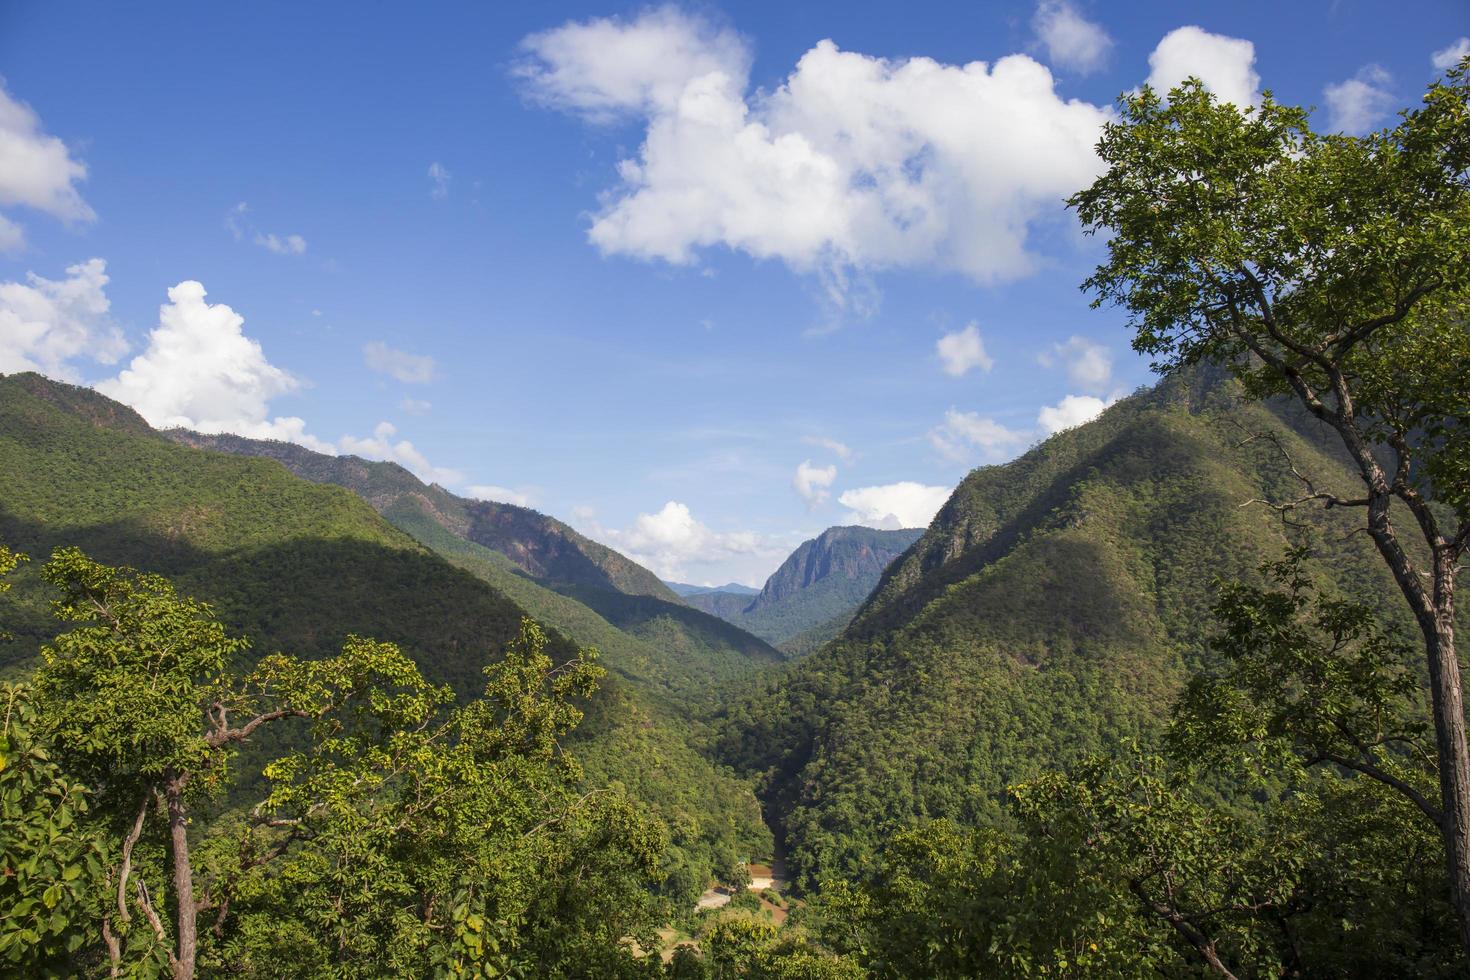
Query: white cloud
[201,372]
[441,178]
[672,541]
[894,505]
[502,495]
[405,367]
[606,68]
[36,171]
[1447,58]
[839,449]
[1089,365]
[963,434]
[962,350]
[281,245]
[1360,103]
[46,323]
[1226,65]
[415,406]
[1072,41]
[853,164]
[1071,412]
[812,483]
[241,227]
[381,445]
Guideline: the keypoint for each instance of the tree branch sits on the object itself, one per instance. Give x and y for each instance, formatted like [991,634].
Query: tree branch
[1388,779]
[126,867]
[1185,928]
[223,736]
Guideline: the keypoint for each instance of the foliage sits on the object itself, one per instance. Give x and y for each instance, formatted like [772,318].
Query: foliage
[1335,269]
[1231,853]
[286,564]
[1306,679]
[462,844]
[1305,261]
[52,860]
[744,947]
[1053,609]
[403,838]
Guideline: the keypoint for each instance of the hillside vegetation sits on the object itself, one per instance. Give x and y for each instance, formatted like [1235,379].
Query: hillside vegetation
[1051,611]
[296,566]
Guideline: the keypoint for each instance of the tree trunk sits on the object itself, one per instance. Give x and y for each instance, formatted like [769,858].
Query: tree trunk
[1449,737]
[178,826]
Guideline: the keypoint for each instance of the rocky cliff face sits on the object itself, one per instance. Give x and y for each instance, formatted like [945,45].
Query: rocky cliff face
[845,560]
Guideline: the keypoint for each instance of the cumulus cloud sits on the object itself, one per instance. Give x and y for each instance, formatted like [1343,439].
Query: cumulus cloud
[1447,58]
[440,177]
[672,541]
[839,449]
[606,68]
[37,171]
[894,505]
[401,365]
[1360,103]
[415,406]
[852,164]
[46,323]
[963,350]
[199,371]
[1071,412]
[1226,65]
[382,445]
[812,483]
[1089,365]
[501,495]
[240,226]
[1071,40]
[965,435]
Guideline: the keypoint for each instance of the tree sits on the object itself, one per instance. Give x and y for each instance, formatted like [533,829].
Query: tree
[463,846]
[51,857]
[137,701]
[1336,270]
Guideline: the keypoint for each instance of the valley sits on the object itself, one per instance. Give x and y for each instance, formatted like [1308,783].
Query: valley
[360,616]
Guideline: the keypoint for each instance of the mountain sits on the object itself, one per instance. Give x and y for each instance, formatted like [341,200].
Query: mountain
[733,588]
[718,602]
[811,597]
[296,565]
[825,580]
[1052,609]
[598,596]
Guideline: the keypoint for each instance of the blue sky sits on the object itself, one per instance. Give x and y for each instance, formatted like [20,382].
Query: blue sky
[683,276]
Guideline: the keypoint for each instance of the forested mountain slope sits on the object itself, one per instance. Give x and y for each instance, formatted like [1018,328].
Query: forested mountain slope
[1052,609]
[809,599]
[596,595]
[543,546]
[297,566]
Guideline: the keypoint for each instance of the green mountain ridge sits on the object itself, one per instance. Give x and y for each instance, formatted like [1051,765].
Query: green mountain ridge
[1052,609]
[598,596]
[296,565]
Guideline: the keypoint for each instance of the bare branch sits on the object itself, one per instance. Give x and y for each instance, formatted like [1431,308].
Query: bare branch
[127,862]
[225,736]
